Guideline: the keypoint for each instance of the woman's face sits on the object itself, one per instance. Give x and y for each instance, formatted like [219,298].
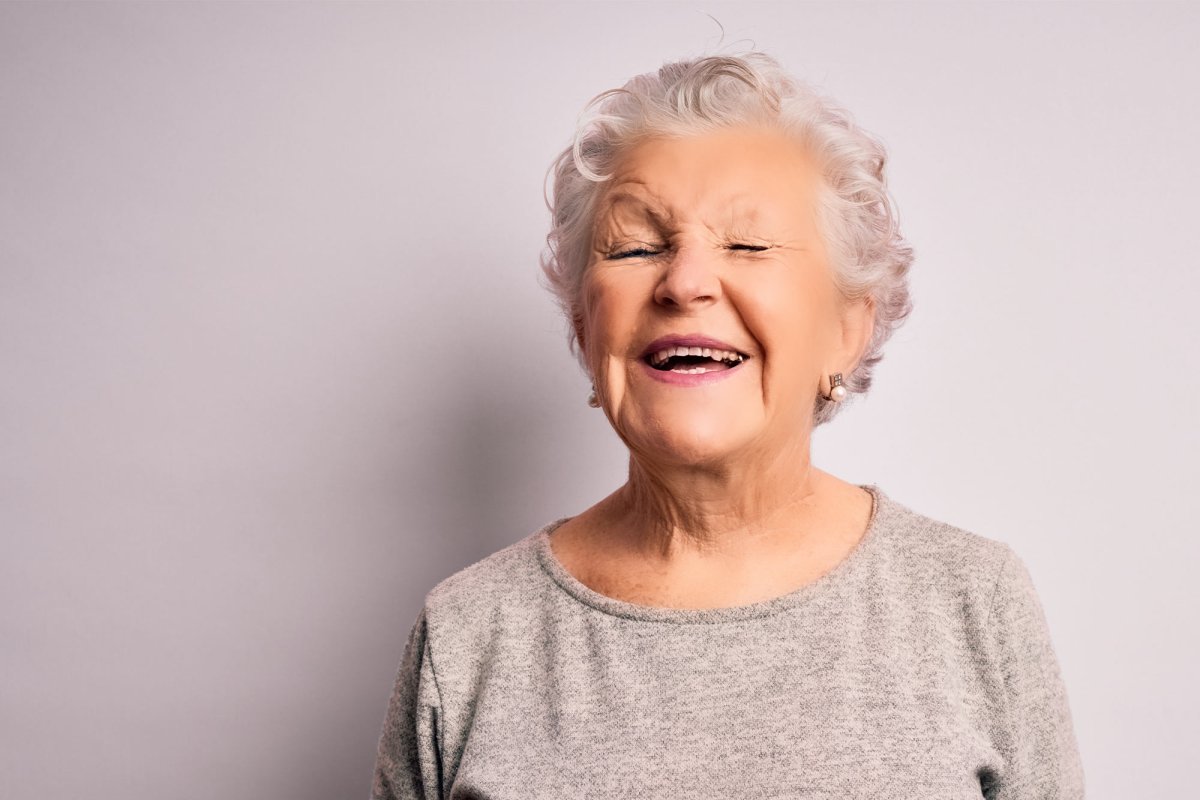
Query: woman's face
[711,241]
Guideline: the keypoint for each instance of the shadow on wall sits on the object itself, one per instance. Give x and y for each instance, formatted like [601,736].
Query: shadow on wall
[478,467]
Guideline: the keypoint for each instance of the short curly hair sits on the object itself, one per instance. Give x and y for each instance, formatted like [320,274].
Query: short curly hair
[858,218]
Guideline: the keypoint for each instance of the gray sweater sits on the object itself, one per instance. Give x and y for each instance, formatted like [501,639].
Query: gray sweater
[919,668]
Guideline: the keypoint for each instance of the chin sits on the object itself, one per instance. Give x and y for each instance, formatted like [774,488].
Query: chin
[700,443]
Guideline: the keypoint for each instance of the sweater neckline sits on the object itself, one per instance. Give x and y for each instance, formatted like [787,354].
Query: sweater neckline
[881,507]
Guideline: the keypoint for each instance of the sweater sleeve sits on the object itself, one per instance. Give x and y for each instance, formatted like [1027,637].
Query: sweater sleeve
[1035,732]
[408,762]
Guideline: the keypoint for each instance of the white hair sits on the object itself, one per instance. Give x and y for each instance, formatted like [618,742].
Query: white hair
[857,216]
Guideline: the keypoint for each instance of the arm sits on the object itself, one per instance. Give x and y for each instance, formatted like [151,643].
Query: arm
[408,764]
[1035,733]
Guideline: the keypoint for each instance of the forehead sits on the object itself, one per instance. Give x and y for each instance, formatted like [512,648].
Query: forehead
[747,174]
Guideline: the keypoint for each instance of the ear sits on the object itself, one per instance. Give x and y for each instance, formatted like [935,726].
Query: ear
[858,324]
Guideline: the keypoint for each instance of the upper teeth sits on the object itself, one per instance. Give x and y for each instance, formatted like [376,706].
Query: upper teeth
[707,352]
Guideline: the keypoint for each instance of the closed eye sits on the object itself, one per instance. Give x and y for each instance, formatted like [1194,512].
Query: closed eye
[754,248]
[637,252]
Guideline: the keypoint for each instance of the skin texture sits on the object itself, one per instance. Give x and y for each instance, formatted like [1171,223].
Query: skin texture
[715,234]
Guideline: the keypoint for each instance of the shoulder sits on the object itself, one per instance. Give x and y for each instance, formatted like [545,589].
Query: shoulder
[928,559]
[484,614]
[488,594]
[934,542]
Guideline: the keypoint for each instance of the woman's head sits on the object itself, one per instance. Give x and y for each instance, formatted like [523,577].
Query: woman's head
[720,197]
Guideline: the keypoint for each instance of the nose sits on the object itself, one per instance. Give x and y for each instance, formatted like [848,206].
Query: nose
[689,280]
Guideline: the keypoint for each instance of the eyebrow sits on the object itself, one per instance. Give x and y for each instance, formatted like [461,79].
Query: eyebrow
[742,211]
[660,215]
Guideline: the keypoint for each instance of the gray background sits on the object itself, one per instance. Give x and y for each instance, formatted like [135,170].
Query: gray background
[275,359]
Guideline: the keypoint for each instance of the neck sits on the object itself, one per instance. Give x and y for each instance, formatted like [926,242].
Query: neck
[669,510]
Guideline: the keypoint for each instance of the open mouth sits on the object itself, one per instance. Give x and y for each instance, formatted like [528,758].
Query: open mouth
[694,360]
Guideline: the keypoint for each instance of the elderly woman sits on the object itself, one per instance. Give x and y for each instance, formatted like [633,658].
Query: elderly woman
[732,622]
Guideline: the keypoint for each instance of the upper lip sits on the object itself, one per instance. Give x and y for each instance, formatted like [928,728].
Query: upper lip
[688,340]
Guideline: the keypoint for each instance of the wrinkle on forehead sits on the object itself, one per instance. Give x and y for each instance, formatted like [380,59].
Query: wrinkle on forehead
[742,207]
[659,192]
[627,212]
[625,195]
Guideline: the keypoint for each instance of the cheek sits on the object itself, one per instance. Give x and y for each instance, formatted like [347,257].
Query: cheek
[610,309]
[789,318]
[601,324]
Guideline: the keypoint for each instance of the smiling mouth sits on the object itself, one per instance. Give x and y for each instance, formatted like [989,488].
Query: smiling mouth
[694,360]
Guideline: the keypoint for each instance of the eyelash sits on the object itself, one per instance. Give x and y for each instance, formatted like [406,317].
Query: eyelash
[637,251]
[642,251]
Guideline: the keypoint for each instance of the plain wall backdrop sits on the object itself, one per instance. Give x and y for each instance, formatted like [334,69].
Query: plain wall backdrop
[275,359]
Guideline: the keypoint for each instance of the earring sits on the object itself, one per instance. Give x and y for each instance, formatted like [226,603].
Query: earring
[837,392]
[593,401]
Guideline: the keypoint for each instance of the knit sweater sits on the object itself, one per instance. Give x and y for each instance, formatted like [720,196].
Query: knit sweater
[920,667]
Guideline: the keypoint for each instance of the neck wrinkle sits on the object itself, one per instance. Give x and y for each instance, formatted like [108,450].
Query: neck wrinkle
[663,512]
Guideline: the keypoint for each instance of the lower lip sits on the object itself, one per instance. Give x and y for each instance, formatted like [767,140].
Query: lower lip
[690,378]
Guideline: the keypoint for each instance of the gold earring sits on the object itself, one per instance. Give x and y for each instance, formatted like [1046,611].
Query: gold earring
[837,392]
[593,401]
